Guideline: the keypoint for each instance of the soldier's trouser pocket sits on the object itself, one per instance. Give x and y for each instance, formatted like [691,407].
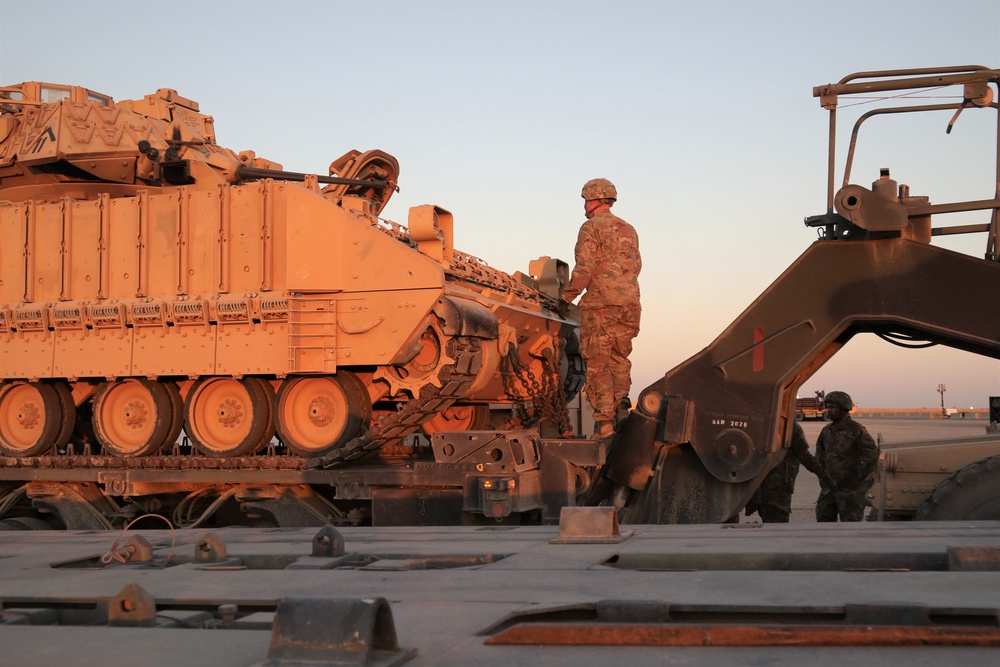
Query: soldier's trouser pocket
[595,337]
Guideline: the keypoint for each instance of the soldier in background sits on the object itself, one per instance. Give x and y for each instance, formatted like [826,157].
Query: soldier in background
[606,273]
[849,454]
[773,499]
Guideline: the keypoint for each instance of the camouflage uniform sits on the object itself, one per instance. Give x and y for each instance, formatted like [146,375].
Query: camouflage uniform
[773,500]
[849,455]
[606,272]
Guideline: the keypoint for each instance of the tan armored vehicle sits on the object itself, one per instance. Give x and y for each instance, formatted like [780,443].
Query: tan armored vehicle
[152,281]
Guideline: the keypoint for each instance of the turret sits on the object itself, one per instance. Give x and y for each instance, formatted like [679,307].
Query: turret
[67,141]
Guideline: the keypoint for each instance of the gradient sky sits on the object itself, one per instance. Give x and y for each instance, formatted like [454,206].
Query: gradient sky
[700,112]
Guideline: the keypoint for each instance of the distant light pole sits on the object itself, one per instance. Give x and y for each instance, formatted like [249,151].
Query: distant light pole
[941,389]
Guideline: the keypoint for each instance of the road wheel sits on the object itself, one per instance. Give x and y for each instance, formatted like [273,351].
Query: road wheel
[227,417]
[319,414]
[971,494]
[458,418]
[132,417]
[31,418]
[176,414]
[267,391]
[68,410]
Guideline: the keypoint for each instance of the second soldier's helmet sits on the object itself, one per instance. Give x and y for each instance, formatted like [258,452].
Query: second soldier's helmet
[839,398]
[599,188]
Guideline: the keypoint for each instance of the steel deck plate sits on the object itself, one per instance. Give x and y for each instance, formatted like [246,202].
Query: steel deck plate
[451,590]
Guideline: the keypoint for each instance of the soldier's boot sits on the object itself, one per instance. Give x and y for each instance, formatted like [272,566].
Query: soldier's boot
[623,410]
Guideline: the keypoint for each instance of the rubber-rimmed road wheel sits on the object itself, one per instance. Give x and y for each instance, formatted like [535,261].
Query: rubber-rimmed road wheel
[176,414]
[68,408]
[132,417]
[971,494]
[31,418]
[226,417]
[269,430]
[318,414]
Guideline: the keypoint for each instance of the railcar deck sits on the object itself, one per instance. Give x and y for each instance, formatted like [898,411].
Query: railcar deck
[587,593]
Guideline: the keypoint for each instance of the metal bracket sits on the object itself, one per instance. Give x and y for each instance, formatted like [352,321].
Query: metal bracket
[132,607]
[335,631]
[590,525]
[515,450]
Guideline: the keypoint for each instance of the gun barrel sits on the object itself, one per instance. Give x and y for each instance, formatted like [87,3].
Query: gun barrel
[248,173]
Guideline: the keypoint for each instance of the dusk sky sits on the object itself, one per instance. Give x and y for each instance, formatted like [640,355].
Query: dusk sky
[701,113]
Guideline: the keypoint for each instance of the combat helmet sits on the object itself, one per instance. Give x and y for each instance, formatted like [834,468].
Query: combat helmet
[599,188]
[839,398]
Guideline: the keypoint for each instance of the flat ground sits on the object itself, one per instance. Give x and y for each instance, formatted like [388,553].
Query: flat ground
[892,430]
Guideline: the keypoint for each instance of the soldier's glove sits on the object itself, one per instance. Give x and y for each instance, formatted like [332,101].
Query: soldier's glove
[827,483]
[563,308]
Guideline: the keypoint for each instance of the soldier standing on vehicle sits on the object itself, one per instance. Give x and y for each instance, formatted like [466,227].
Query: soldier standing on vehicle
[849,454]
[606,273]
[773,499]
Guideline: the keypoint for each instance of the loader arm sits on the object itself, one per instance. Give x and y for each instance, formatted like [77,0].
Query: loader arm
[701,439]
[728,409]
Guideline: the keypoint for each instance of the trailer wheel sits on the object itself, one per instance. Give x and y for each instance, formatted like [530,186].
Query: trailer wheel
[971,494]
[23,523]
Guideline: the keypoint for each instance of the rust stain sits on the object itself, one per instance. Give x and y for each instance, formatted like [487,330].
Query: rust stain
[719,635]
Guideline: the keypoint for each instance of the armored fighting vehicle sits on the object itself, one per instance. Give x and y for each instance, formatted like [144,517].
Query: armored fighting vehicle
[168,303]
